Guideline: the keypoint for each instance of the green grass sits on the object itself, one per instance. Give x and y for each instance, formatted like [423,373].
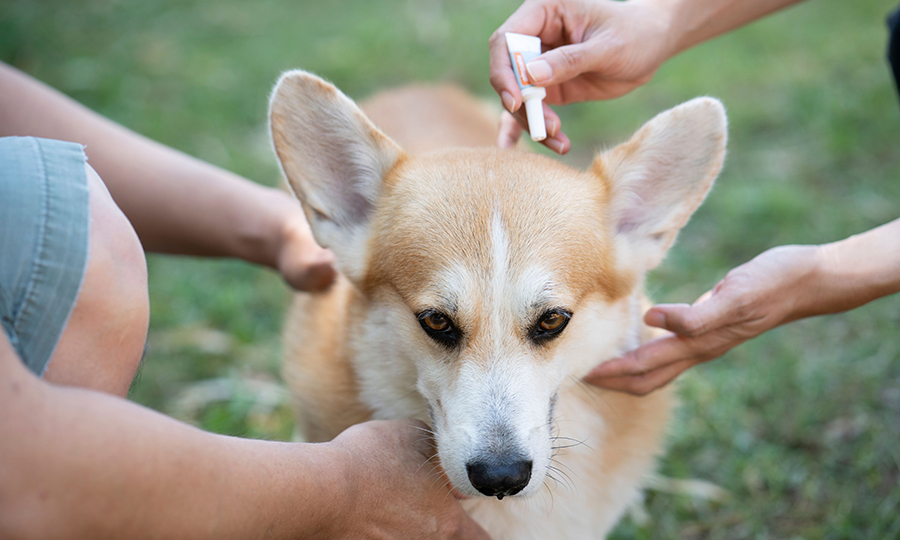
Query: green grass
[801,426]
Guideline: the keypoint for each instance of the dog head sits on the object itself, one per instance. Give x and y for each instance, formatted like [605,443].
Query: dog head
[490,280]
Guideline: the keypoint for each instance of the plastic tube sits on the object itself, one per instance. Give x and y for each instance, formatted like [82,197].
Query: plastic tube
[522,49]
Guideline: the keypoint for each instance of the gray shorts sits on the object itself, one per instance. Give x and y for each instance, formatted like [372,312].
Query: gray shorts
[44,227]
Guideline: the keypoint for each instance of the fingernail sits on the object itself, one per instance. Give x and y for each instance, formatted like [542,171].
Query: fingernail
[655,318]
[539,71]
[508,101]
[556,145]
[552,126]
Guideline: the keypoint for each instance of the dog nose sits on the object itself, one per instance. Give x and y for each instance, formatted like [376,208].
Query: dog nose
[499,478]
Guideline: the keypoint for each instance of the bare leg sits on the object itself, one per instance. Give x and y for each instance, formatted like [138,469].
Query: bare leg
[102,343]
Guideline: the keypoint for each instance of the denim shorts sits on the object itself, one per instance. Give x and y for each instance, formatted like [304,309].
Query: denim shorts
[44,228]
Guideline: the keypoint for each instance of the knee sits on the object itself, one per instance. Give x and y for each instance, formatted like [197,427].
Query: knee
[103,342]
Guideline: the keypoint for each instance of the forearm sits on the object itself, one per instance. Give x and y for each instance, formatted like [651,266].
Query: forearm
[859,269]
[78,464]
[695,21]
[177,204]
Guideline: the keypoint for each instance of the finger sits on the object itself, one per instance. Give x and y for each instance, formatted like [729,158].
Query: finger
[559,143]
[643,384]
[646,358]
[316,273]
[562,64]
[501,74]
[714,311]
[529,19]
[556,140]
[552,121]
[656,315]
[509,132]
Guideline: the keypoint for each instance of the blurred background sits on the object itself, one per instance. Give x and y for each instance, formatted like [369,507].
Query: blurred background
[793,435]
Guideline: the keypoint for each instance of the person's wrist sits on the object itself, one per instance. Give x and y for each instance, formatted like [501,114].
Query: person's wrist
[281,228]
[812,282]
[346,484]
[671,20]
[257,230]
[688,23]
[329,506]
[657,28]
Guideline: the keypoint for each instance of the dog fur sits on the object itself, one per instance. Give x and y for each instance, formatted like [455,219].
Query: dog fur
[499,244]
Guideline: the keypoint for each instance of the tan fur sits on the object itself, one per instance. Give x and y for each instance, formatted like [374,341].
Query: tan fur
[424,118]
[317,370]
[473,229]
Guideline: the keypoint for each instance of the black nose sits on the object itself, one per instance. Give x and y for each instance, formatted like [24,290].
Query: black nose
[499,478]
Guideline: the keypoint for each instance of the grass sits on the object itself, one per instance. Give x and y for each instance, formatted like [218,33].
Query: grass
[801,425]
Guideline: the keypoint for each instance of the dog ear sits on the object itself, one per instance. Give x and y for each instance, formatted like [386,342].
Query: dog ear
[659,177]
[334,159]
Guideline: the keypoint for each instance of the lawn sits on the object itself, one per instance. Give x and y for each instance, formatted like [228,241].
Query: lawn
[801,426]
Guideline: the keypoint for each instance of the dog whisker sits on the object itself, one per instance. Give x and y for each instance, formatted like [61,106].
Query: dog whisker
[550,494]
[430,460]
[449,485]
[429,431]
[437,478]
[561,464]
[569,484]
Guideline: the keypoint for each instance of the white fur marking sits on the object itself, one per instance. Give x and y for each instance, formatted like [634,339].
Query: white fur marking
[500,254]
[500,272]
[634,337]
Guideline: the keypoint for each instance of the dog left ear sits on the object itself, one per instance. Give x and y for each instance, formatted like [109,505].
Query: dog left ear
[334,159]
[658,178]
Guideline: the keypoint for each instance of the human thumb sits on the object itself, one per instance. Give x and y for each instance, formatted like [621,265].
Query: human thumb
[690,320]
[564,63]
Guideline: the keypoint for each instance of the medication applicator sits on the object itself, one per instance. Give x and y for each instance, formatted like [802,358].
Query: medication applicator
[523,49]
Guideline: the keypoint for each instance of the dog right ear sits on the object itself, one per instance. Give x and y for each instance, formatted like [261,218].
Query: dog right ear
[334,159]
[659,177]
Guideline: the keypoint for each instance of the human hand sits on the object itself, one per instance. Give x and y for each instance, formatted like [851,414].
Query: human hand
[595,49]
[780,285]
[397,490]
[304,265]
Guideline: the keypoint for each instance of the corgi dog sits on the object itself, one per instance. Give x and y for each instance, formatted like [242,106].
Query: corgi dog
[478,285]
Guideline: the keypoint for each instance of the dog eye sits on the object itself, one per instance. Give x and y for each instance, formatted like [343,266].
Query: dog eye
[436,322]
[439,328]
[552,321]
[550,325]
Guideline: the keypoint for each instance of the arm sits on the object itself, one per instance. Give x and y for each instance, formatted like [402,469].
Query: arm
[779,286]
[696,21]
[81,464]
[176,203]
[602,49]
